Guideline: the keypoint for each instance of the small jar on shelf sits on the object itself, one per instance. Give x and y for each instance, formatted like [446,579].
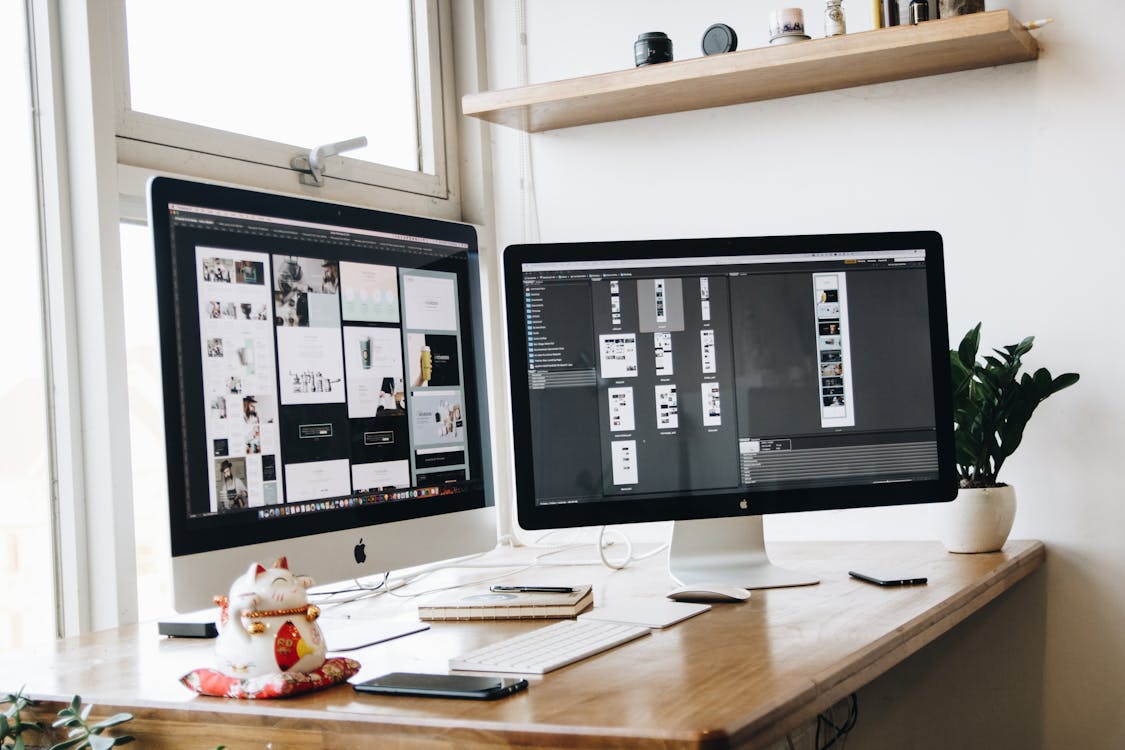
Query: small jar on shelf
[834,24]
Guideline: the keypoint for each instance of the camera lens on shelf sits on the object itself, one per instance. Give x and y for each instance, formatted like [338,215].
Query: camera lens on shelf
[719,38]
[652,47]
[919,11]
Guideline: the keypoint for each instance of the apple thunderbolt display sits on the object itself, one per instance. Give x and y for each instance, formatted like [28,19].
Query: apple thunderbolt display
[324,393]
[711,381]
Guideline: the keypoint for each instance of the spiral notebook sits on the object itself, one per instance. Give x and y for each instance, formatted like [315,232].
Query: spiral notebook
[482,604]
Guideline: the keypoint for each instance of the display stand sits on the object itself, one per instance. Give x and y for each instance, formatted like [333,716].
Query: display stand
[727,550]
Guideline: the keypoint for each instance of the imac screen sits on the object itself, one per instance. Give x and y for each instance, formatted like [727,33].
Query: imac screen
[321,366]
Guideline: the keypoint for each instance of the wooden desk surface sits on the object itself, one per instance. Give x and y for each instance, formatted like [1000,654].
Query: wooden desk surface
[740,675]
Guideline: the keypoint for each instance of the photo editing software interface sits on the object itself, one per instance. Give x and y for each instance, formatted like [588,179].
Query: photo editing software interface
[741,373]
[328,365]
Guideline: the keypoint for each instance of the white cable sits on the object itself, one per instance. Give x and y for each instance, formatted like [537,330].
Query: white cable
[650,553]
[540,543]
[455,585]
[601,544]
[628,549]
[388,586]
[364,591]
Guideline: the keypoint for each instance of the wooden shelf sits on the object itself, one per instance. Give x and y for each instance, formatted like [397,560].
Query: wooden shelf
[978,40]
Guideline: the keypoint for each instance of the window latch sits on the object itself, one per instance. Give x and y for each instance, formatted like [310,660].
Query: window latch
[312,166]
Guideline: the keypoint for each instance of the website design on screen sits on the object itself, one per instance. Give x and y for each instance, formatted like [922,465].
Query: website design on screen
[753,373]
[331,364]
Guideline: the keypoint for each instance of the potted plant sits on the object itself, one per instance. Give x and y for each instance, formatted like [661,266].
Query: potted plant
[992,403]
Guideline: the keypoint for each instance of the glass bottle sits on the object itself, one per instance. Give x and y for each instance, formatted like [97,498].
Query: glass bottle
[834,19]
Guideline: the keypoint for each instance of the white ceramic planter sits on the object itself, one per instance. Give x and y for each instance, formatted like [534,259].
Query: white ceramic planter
[979,520]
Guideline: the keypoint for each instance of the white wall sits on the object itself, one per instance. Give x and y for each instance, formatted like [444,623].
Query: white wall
[1018,167]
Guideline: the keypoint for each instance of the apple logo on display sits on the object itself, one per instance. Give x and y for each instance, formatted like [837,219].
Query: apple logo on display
[741,504]
[360,552]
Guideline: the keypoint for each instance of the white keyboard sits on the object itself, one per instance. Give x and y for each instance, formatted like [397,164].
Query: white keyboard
[548,648]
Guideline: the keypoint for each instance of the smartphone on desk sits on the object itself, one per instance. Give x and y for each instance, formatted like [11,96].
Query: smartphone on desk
[443,685]
[884,578]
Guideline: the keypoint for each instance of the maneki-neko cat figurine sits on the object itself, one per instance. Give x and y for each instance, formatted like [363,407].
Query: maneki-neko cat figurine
[267,626]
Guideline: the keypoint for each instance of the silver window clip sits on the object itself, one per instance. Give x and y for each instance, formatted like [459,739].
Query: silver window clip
[312,167]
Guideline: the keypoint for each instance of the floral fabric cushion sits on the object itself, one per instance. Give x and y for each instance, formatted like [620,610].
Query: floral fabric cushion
[277,685]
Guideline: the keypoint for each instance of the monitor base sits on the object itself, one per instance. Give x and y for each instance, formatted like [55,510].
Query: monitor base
[727,550]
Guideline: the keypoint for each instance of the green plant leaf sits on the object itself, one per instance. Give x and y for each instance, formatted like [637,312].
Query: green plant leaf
[75,704]
[86,712]
[112,721]
[967,351]
[97,742]
[1065,380]
[72,742]
[1043,382]
[1011,435]
[1016,351]
[961,374]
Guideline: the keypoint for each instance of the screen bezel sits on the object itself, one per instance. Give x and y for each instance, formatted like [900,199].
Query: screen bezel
[725,503]
[192,535]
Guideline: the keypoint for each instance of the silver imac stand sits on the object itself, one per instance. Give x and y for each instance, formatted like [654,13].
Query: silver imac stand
[727,550]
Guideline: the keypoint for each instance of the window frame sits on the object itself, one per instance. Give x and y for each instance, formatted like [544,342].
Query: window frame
[95,582]
[170,146]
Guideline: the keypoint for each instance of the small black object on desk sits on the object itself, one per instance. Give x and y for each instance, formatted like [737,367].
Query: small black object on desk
[888,579]
[187,628]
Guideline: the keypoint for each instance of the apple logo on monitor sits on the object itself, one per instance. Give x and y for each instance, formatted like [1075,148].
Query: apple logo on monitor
[741,504]
[360,552]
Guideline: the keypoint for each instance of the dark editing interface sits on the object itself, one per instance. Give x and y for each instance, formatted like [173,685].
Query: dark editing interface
[672,376]
[329,362]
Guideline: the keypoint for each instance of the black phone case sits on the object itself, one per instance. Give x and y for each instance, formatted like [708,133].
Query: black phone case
[883,580]
[437,691]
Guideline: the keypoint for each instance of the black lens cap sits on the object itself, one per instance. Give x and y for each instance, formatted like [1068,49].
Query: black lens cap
[718,39]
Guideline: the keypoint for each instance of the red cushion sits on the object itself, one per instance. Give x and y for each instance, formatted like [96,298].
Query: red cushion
[277,685]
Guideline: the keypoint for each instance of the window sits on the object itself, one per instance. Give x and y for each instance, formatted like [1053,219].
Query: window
[26,561]
[99,296]
[146,424]
[234,91]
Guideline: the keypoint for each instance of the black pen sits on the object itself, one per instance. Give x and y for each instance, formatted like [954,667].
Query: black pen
[533,589]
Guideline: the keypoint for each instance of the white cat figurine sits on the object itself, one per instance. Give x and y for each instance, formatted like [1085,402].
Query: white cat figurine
[266,624]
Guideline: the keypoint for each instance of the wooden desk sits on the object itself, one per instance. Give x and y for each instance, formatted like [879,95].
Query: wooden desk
[741,675]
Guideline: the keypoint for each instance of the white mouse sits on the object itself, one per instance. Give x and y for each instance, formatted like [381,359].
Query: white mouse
[709,592]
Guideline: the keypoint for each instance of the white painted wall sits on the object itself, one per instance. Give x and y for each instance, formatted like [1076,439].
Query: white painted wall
[1019,168]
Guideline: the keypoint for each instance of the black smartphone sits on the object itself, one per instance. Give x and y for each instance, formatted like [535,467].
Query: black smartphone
[887,579]
[443,685]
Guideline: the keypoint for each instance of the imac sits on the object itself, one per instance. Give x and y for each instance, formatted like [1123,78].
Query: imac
[324,387]
[711,381]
